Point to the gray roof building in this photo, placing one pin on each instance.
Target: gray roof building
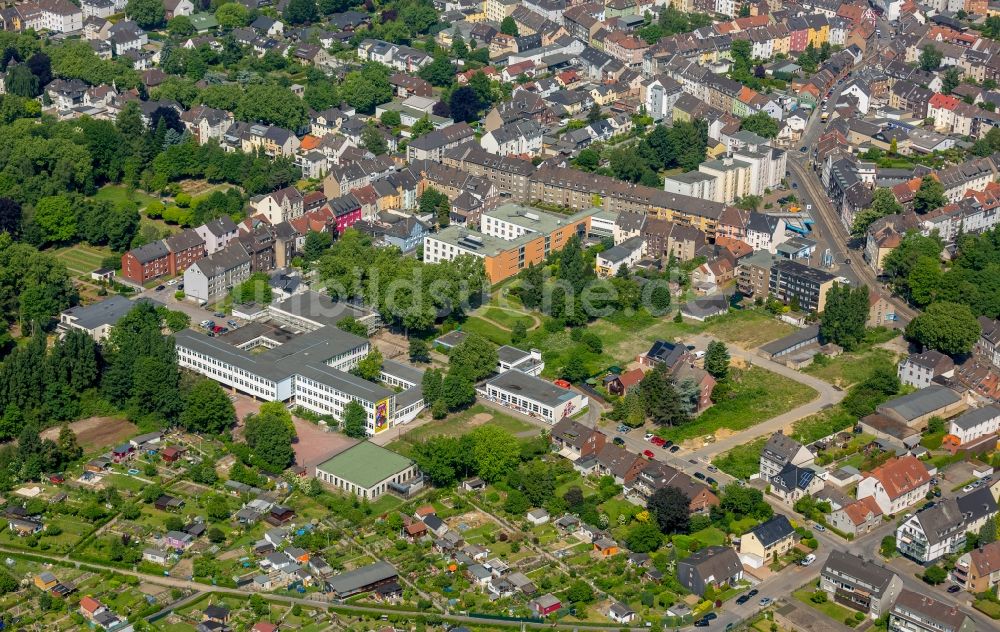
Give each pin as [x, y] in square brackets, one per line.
[362, 579]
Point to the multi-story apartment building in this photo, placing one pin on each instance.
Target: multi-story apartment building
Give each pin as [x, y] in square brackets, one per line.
[781, 450]
[185, 248]
[978, 571]
[512, 237]
[987, 348]
[217, 233]
[281, 205]
[211, 278]
[914, 612]
[920, 369]
[792, 282]
[510, 175]
[146, 263]
[860, 584]
[753, 274]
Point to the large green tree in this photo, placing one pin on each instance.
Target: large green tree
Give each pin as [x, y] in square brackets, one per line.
[883, 203]
[207, 408]
[269, 433]
[948, 327]
[149, 14]
[301, 11]
[670, 507]
[717, 359]
[475, 358]
[660, 397]
[929, 196]
[844, 316]
[355, 420]
[761, 124]
[495, 451]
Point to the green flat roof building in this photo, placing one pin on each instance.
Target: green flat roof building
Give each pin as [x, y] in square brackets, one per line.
[368, 471]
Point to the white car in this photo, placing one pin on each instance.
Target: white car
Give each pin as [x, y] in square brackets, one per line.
[648, 436]
[172, 282]
[968, 488]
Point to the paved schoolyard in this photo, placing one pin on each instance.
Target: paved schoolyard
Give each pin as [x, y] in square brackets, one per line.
[316, 445]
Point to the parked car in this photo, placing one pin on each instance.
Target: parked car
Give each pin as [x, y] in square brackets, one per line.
[820, 528]
[954, 588]
[711, 481]
[753, 593]
[160, 288]
[219, 314]
[702, 623]
[710, 616]
[618, 441]
[172, 282]
[699, 476]
[712, 468]
[623, 428]
[765, 602]
[742, 599]
[647, 436]
[668, 443]
[657, 441]
[648, 454]
[807, 560]
[968, 488]
[674, 449]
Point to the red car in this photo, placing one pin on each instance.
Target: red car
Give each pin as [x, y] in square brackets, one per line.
[658, 441]
[217, 329]
[648, 454]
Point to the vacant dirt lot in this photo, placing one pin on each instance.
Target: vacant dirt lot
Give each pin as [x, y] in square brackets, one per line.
[315, 445]
[97, 432]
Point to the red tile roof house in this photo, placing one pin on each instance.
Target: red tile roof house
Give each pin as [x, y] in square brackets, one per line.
[625, 382]
[90, 607]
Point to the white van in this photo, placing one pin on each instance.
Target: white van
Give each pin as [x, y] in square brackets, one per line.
[807, 560]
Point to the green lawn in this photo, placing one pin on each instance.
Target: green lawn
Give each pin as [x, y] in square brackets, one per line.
[508, 318]
[987, 607]
[710, 536]
[851, 368]
[117, 193]
[742, 461]
[833, 610]
[822, 424]
[457, 425]
[757, 394]
[476, 325]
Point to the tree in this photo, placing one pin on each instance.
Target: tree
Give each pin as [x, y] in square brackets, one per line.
[352, 326]
[207, 409]
[935, 575]
[367, 88]
[421, 127]
[495, 452]
[55, 219]
[745, 501]
[256, 289]
[301, 11]
[7, 583]
[269, 433]
[988, 534]
[509, 27]
[950, 80]
[440, 72]
[717, 359]
[595, 113]
[516, 503]
[761, 124]
[419, 351]
[518, 332]
[670, 507]
[929, 196]
[317, 242]
[149, 14]
[883, 203]
[951, 328]
[10, 216]
[644, 538]
[457, 390]
[180, 26]
[930, 58]
[370, 366]
[431, 385]
[40, 65]
[465, 104]
[580, 592]
[22, 82]
[575, 369]
[475, 358]
[660, 398]
[232, 15]
[355, 420]
[844, 317]
[69, 449]
[372, 139]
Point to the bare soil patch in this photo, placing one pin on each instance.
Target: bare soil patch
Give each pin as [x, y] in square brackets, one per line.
[97, 432]
[479, 419]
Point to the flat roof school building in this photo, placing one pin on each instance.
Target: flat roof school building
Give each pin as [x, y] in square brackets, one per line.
[533, 396]
[368, 471]
[297, 357]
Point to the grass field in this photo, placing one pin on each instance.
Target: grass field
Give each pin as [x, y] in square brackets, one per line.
[476, 325]
[822, 424]
[851, 368]
[757, 394]
[833, 610]
[117, 193]
[741, 461]
[459, 424]
[509, 318]
[82, 259]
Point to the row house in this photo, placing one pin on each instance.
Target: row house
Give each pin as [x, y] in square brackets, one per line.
[271, 139]
[522, 137]
[965, 217]
[942, 530]
[433, 145]
[397, 56]
[511, 175]
[279, 206]
[972, 175]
